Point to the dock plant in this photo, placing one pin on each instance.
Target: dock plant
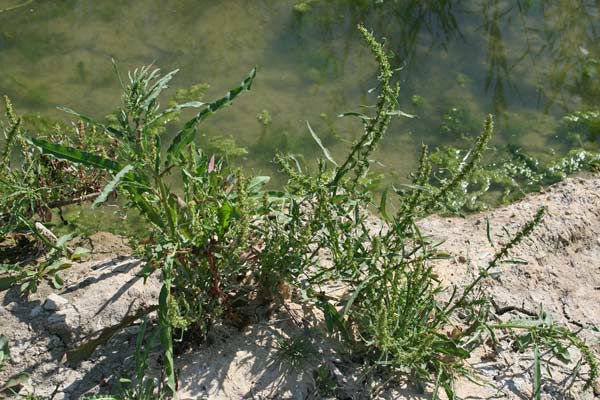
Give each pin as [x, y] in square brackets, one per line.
[220, 241]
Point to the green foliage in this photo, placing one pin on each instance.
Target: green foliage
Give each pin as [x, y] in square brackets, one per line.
[543, 335]
[224, 146]
[303, 7]
[324, 380]
[504, 180]
[583, 126]
[31, 184]
[221, 242]
[294, 352]
[458, 123]
[142, 387]
[264, 117]
[197, 238]
[418, 101]
[392, 314]
[4, 350]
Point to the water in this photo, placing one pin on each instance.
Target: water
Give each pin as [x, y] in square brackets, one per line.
[528, 62]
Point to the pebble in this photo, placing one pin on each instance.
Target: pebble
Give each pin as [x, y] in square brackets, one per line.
[35, 311]
[55, 302]
[63, 322]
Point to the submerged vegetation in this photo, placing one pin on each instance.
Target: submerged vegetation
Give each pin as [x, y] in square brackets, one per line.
[219, 240]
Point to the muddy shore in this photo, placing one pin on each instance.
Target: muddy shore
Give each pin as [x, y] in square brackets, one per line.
[558, 268]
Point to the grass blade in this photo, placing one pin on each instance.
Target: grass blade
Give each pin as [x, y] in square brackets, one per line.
[383, 206]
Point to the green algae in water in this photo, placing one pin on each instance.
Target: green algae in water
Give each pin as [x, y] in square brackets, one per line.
[530, 63]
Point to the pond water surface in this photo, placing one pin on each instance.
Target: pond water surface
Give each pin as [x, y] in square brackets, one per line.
[530, 62]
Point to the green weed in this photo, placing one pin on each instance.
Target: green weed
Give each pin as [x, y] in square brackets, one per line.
[221, 241]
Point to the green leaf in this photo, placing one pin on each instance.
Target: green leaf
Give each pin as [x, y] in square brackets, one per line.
[75, 155]
[146, 207]
[111, 186]
[354, 295]
[80, 253]
[57, 282]
[514, 261]
[446, 346]
[4, 349]
[487, 232]
[400, 114]
[224, 216]
[333, 319]
[383, 205]
[257, 183]
[318, 140]
[15, 381]
[166, 339]
[359, 115]
[64, 239]
[157, 88]
[7, 282]
[562, 353]
[524, 341]
[187, 133]
[58, 265]
[85, 350]
[6, 268]
[178, 107]
[157, 158]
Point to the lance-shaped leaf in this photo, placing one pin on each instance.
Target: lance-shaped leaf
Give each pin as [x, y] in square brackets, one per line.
[85, 350]
[166, 338]
[257, 183]
[112, 185]
[187, 133]
[178, 107]
[318, 140]
[157, 88]
[135, 189]
[75, 155]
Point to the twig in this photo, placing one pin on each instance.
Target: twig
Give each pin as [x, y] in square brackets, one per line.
[503, 310]
[80, 199]
[12, 8]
